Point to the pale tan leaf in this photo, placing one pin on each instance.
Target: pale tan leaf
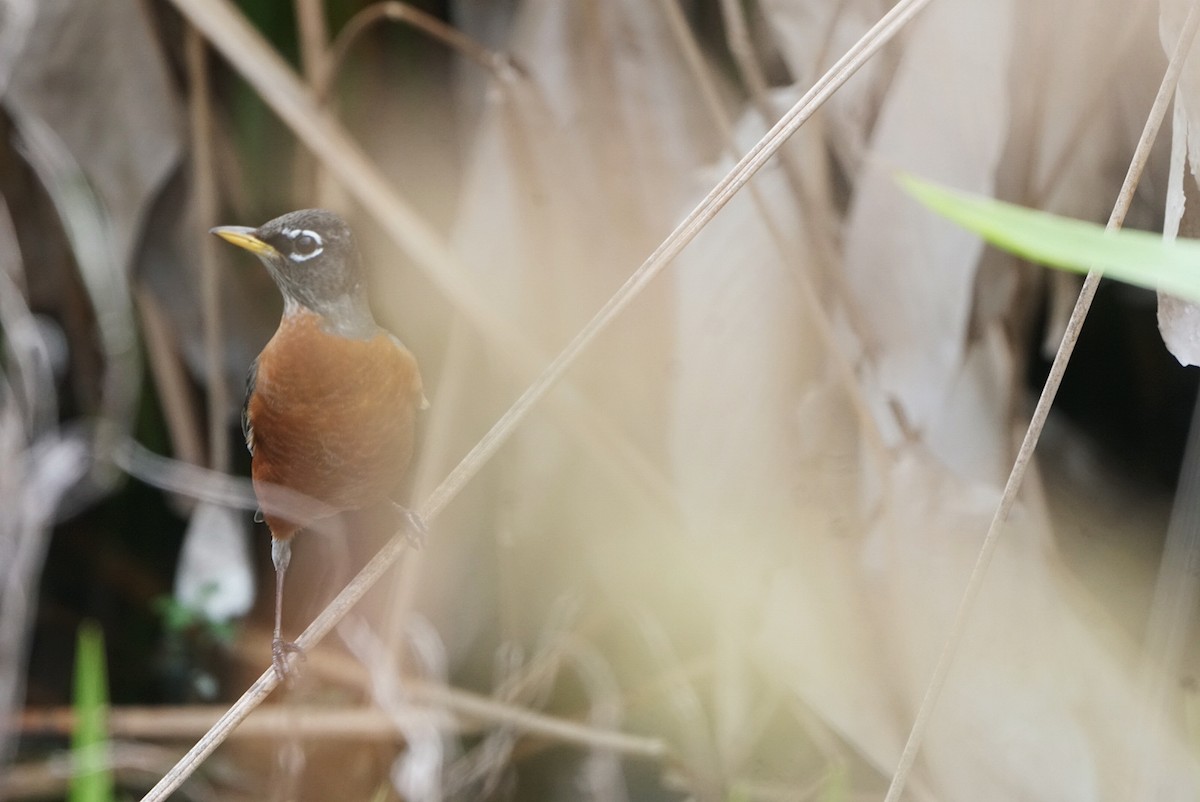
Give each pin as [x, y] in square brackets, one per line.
[1171, 16]
[91, 71]
[909, 273]
[1178, 320]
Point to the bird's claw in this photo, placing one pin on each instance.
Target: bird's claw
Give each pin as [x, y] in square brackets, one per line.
[280, 649]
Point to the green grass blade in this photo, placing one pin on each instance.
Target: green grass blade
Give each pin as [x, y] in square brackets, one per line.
[92, 779]
[1135, 257]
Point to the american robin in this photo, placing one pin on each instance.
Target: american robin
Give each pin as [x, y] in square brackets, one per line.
[332, 399]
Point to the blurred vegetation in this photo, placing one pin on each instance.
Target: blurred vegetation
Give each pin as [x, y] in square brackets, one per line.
[113, 562]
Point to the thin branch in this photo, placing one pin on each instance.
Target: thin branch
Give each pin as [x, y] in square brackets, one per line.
[967, 604]
[393, 551]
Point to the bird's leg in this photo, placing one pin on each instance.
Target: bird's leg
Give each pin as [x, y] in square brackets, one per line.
[281, 555]
[415, 528]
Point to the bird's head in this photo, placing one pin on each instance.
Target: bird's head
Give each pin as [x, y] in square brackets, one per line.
[312, 255]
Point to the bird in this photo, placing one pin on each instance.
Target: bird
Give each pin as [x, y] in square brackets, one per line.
[332, 400]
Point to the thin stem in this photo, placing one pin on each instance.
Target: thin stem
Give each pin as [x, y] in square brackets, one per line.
[170, 384]
[966, 605]
[205, 197]
[737, 36]
[314, 39]
[349, 723]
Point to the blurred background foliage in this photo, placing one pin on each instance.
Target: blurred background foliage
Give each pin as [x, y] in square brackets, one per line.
[756, 591]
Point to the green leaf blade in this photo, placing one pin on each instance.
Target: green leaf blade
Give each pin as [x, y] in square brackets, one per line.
[92, 779]
[1135, 257]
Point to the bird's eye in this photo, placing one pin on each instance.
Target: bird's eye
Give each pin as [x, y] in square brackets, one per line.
[305, 245]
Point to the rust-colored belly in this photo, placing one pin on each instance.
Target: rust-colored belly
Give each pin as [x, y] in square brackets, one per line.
[333, 421]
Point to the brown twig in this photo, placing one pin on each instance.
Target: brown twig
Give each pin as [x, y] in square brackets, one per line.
[966, 605]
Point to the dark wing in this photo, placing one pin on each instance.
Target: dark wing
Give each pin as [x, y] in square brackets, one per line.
[247, 427]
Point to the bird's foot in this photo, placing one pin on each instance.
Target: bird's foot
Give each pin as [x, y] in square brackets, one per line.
[415, 529]
[284, 669]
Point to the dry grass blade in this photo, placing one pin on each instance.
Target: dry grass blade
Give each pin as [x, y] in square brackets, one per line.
[209, 16]
[152, 723]
[184, 478]
[204, 184]
[804, 273]
[314, 37]
[496, 63]
[171, 381]
[1042, 410]
[741, 47]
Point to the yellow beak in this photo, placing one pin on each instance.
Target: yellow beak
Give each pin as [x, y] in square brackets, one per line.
[244, 237]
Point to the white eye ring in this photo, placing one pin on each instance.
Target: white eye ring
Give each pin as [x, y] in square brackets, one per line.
[304, 237]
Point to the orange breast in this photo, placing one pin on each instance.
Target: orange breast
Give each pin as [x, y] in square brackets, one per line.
[333, 420]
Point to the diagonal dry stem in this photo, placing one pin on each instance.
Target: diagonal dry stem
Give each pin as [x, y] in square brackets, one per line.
[395, 549]
[1074, 325]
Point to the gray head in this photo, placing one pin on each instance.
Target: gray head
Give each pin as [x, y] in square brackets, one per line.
[311, 254]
